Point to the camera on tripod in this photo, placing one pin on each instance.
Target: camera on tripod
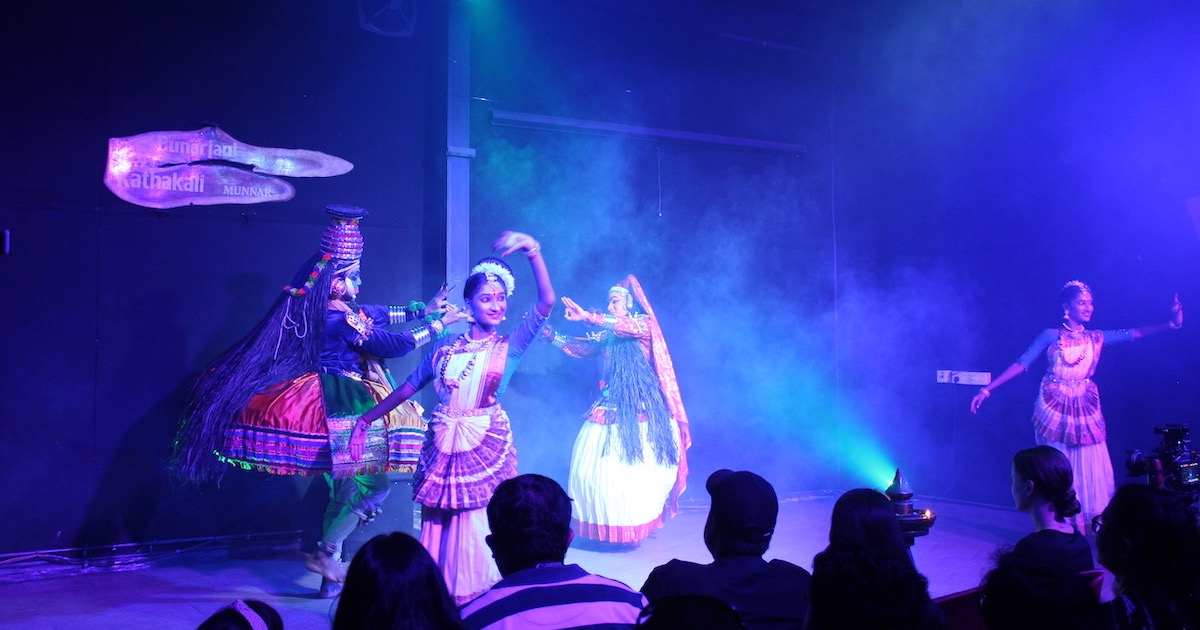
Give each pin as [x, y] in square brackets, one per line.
[1173, 466]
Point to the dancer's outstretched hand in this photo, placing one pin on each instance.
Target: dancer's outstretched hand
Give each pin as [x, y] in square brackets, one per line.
[572, 311]
[1177, 313]
[977, 401]
[510, 242]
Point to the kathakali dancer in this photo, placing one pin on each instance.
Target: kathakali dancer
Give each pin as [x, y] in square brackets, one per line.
[469, 449]
[1066, 414]
[284, 399]
[629, 463]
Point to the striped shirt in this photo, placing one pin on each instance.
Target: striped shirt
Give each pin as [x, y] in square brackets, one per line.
[562, 596]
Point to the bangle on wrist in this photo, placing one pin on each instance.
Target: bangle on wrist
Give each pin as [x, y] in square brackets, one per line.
[1173, 326]
[985, 391]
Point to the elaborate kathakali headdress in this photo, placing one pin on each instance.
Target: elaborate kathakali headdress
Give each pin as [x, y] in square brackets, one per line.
[341, 244]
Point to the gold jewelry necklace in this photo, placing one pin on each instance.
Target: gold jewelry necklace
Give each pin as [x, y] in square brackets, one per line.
[463, 345]
[1069, 329]
[1084, 350]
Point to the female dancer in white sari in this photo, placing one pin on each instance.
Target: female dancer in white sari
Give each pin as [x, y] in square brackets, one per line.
[1067, 413]
[629, 463]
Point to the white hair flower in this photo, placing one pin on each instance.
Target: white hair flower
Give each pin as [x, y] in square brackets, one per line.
[496, 271]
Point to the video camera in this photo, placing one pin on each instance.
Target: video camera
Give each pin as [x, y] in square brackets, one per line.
[1173, 466]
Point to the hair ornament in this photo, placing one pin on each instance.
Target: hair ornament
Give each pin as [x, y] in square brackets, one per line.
[495, 271]
[310, 279]
[1078, 284]
[625, 293]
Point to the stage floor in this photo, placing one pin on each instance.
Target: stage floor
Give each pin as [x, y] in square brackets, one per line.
[180, 594]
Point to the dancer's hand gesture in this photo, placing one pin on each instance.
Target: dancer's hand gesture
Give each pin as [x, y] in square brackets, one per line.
[453, 314]
[438, 302]
[572, 311]
[510, 242]
[977, 401]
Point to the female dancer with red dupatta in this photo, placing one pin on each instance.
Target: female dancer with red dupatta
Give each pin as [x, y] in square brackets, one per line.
[629, 463]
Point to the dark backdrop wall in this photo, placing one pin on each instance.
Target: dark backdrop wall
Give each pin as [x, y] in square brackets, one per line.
[113, 309]
[957, 166]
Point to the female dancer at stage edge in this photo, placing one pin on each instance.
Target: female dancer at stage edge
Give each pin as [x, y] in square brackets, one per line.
[468, 448]
[1067, 414]
[629, 463]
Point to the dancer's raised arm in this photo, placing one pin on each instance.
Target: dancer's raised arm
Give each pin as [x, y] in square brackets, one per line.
[510, 242]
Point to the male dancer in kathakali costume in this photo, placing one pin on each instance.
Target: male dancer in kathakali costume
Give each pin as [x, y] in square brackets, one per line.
[283, 400]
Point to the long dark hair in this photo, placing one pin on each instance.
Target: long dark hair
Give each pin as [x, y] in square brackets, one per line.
[633, 389]
[285, 344]
[1050, 472]
[864, 518]
[854, 587]
[392, 582]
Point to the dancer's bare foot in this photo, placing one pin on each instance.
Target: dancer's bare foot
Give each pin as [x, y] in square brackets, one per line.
[326, 565]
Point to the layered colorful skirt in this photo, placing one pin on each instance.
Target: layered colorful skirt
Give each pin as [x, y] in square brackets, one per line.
[286, 430]
[1067, 417]
[467, 453]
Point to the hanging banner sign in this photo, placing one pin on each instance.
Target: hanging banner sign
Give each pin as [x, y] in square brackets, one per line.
[168, 169]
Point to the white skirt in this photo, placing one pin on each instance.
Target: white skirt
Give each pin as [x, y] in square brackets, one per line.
[455, 540]
[616, 501]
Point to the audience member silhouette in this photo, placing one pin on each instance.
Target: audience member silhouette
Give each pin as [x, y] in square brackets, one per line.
[530, 520]
[1147, 538]
[740, 525]
[865, 579]
[865, 518]
[689, 612]
[1023, 592]
[244, 614]
[393, 582]
[1042, 488]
